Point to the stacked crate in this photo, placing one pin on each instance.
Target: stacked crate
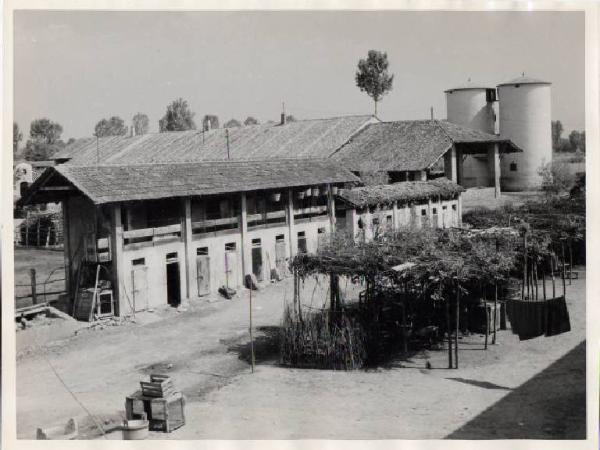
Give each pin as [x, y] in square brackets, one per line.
[160, 401]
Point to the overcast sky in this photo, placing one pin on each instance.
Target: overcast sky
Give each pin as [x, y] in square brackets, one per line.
[79, 67]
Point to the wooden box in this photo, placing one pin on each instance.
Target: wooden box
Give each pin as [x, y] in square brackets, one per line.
[158, 386]
[164, 414]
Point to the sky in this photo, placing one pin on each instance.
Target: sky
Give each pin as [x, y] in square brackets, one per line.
[77, 67]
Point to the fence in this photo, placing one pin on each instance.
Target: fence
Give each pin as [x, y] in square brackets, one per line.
[40, 292]
[40, 230]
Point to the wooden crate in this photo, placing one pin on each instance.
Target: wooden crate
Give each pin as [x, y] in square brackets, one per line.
[158, 386]
[164, 414]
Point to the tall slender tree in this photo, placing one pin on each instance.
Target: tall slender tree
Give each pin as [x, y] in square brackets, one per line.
[179, 117]
[114, 126]
[372, 76]
[140, 123]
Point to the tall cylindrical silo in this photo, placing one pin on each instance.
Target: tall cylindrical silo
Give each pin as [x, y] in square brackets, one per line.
[472, 105]
[525, 119]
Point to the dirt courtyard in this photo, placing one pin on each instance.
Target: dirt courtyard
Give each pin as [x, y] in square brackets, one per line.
[529, 389]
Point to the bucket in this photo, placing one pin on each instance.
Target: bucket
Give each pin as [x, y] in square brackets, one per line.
[135, 429]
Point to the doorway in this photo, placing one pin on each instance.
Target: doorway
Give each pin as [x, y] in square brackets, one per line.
[257, 262]
[139, 284]
[173, 280]
[280, 253]
[203, 271]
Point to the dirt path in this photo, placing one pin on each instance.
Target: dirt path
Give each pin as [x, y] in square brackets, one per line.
[225, 401]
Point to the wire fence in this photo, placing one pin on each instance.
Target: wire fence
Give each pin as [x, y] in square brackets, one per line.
[40, 290]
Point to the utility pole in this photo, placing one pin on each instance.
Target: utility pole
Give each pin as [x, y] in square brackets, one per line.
[227, 138]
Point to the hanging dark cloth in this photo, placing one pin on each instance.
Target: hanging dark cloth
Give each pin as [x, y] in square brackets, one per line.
[531, 319]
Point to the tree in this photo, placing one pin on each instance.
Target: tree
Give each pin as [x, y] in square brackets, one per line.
[290, 118]
[44, 130]
[179, 117]
[556, 178]
[250, 121]
[557, 129]
[140, 123]
[233, 123]
[44, 140]
[209, 122]
[372, 76]
[115, 126]
[17, 137]
[577, 140]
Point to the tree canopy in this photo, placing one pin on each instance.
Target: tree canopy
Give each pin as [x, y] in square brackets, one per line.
[44, 140]
[114, 126]
[372, 76]
[140, 123]
[233, 123]
[577, 140]
[250, 121]
[179, 117]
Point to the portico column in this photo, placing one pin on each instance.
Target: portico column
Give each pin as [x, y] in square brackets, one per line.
[493, 159]
[118, 262]
[459, 166]
[450, 164]
[395, 216]
[187, 241]
[331, 208]
[293, 243]
[352, 222]
[66, 245]
[246, 264]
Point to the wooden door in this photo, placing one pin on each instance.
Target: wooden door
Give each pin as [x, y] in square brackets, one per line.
[231, 268]
[280, 254]
[203, 274]
[139, 287]
[257, 262]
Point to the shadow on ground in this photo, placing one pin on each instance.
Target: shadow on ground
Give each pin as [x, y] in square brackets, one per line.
[551, 405]
[266, 346]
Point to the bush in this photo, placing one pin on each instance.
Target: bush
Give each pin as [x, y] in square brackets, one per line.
[315, 341]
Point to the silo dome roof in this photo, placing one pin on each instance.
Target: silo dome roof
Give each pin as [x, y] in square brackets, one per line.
[468, 85]
[524, 80]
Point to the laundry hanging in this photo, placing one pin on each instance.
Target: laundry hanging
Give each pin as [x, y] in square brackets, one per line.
[531, 319]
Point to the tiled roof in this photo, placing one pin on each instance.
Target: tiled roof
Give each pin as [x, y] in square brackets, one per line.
[299, 139]
[116, 183]
[410, 145]
[405, 191]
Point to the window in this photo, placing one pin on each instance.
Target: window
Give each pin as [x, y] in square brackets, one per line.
[202, 251]
[513, 166]
[255, 242]
[138, 262]
[389, 220]
[280, 238]
[321, 231]
[375, 220]
[172, 256]
[230, 247]
[434, 210]
[453, 207]
[444, 208]
[423, 212]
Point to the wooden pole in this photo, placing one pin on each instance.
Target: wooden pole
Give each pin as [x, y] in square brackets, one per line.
[404, 329]
[449, 334]
[544, 282]
[552, 275]
[251, 336]
[457, 325]
[495, 311]
[33, 286]
[37, 232]
[487, 320]
[536, 279]
[525, 280]
[562, 249]
[570, 261]
[27, 229]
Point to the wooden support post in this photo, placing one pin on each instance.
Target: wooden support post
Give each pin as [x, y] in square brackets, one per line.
[293, 243]
[33, 286]
[535, 279]
[564, 275]
[118, 265]
[66, 245]
[570, 261]
[552, 274]
[495, 325]
[251, 335]
[331, 208]
[457, 325]
[450, 164]
[37, 232]
[246, 250]
[525, 279]
[493, 160]
[487, 319]
[27, 229]
[395, 216]
[449, 330]
[187, 241]
[544, 282]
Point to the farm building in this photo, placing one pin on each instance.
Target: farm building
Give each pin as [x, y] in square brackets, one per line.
[372, 210]
[174, 231]
[175, 216]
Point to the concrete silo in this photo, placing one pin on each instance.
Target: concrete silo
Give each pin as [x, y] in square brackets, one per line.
[525, 119]
[472, 105]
